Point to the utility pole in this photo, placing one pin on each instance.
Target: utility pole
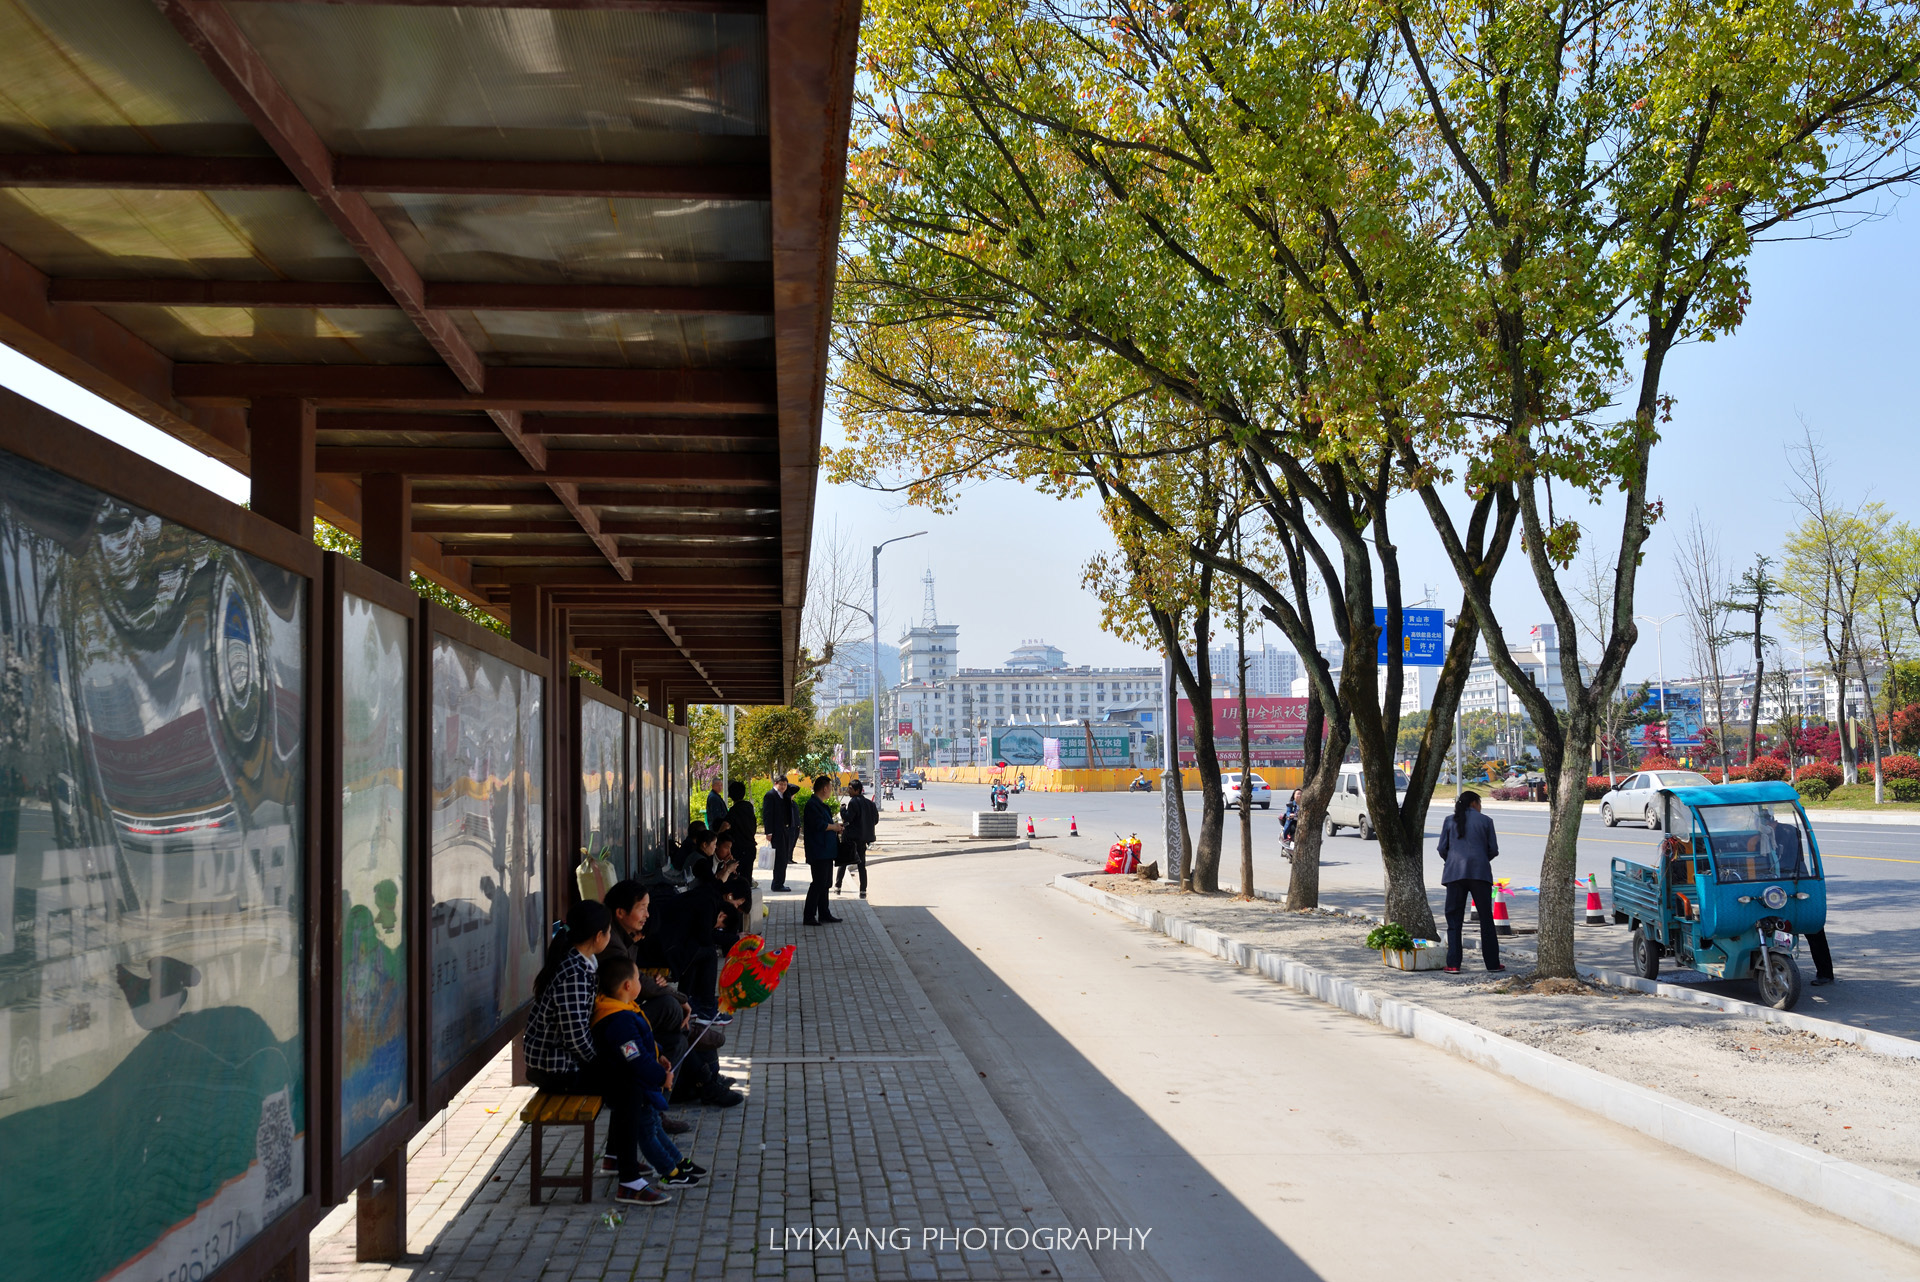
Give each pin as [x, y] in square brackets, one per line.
[875, 616]
[1660, 653]
[1246, 744]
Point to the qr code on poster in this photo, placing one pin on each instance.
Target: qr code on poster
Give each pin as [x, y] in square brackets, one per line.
[273, 1148]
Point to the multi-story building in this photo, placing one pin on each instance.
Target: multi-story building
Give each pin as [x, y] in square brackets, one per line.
[1271, 669]
[953, 719]
[930, 651]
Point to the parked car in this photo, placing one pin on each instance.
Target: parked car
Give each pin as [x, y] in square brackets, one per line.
[1261, 796]
[1347, 808]
[1638, 795]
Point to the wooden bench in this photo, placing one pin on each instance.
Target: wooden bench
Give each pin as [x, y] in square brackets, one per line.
[545, 1110]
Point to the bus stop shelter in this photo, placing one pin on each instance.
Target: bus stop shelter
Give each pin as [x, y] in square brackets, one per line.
[532, 300]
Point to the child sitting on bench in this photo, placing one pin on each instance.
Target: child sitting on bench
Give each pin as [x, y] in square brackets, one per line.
[635, 1069]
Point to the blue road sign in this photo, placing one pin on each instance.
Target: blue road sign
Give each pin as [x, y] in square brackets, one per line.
[1423, 640]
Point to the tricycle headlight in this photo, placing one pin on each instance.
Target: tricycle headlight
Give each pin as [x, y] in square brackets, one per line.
[1775, 898]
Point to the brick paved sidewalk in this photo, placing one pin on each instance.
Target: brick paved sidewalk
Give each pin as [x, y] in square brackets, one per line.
[861, 1114]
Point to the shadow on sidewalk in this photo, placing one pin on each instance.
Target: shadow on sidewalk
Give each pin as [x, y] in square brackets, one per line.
[1009, 1043]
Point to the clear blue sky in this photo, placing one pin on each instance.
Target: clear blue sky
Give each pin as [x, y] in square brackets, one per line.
[1830, 336]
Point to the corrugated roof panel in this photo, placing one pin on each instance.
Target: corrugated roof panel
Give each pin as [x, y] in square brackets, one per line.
[221, 235]
[626, 339]
[278, 335]
[109, 76]
[517, 84]
[583, 239]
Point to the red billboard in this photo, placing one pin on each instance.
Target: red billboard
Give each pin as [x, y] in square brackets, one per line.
[1276, 731]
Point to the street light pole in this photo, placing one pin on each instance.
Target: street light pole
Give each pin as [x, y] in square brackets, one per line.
[875, 617]
[1660, 651]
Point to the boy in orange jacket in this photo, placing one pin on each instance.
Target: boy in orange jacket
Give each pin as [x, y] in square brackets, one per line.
[623, 1042]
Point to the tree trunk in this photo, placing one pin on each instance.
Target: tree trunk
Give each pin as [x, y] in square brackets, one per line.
[1316, 789]
[1246, 745]
[1175, 794]
[1559, 867]
[1873, 729]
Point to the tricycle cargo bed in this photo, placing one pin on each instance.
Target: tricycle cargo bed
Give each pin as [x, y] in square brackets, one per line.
[1636, 890]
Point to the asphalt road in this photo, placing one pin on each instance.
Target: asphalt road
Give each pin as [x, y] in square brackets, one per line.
[1873, 882]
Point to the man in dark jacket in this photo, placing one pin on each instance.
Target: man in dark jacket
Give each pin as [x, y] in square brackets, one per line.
[1469, 845]
[782, 821]
[716, 806]
[821, 829]
[862, 818]
[741, 826]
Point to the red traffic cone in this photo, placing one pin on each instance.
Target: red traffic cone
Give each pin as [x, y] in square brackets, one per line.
[1073, 826]
[1029, 825]
[1596, 915]
[923, 805]
[1502, 925]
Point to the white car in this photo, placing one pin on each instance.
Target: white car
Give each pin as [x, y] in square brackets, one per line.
[1261, 796]
[1634, 796]
[1347, 808]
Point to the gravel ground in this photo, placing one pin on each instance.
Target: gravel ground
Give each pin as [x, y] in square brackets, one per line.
[1829, 1095]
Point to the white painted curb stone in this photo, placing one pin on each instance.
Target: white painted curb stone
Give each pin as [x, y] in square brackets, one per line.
[1853, 1192]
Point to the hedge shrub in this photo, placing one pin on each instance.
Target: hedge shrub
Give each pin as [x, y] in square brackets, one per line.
[1828, 772]
[1767, 770]
[1655, 761]
[1902, 788]
[1516, 793]
[1814, 788]
[1598, 786]
[1900, 766]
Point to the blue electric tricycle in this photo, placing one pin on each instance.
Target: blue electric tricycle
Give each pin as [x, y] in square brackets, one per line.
[1736, 883]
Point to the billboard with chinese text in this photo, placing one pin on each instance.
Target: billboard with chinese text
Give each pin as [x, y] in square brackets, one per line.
[1276, 729]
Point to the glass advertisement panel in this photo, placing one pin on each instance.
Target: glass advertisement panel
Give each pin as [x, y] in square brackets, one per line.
[152, 811]
[629, 859]
[373, 868]
[488, 846]
[681, 798]
[603, 783]
[653, 798]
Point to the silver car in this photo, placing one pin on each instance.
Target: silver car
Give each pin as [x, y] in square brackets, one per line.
[1637, 796]
[1347, 808]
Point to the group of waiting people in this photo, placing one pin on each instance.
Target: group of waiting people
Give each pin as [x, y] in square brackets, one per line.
[627, 1008]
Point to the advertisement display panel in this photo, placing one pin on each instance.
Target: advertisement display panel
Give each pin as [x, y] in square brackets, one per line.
[628, 861]
[603, 780]
[653, 798]
[488, 841]
[1276, 730]
[1069, 750]
[680, 797]
[373, 867]
[153, 816]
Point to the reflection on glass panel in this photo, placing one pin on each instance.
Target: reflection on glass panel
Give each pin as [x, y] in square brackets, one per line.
[630, 864]
[489, 843]
[603, 787]
[680, 795]
[373, 868]
[152, 758]
[653, 799]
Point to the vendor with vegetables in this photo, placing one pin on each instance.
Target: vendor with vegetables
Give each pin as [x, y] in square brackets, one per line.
[1469, 845]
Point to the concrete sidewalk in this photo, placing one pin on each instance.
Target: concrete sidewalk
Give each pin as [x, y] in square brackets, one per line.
[1259, 1133]
[861, 1113]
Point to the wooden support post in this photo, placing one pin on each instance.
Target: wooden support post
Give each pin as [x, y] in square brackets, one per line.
[680, 713]
[657, 696]
[616, 672]
[380, 1205]
[291, 1267]
[281, 432]
[386, 524]
[523, 615]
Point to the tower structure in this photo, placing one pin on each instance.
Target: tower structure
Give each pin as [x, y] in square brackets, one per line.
[929, 652]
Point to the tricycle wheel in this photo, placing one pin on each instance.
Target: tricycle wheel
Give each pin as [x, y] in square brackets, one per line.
[1646, 954]
[1779, 980]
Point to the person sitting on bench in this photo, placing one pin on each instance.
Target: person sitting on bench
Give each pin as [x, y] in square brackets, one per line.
[638, 1076]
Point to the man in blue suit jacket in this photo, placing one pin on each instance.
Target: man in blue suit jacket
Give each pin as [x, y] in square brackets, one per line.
[820, 828]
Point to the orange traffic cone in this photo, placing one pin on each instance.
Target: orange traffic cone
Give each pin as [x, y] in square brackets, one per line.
[903, 808]
[923, 805]
[1029, 825]
[1502, 925]
[1596, 915]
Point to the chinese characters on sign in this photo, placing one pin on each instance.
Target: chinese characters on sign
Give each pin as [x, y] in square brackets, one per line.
[1276, 731]
[1423, 636]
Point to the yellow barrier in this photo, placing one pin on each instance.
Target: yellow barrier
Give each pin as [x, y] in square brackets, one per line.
[1042, 779]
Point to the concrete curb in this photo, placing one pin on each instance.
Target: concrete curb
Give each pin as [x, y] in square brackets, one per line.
[1875, 1201]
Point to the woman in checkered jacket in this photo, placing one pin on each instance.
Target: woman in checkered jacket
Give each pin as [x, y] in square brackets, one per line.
[559, 1044]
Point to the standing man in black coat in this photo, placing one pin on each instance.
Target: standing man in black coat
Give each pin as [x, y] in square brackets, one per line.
[861, 817]
[781, 817]
[822, 832]
[741, 826]
[1469, 845]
